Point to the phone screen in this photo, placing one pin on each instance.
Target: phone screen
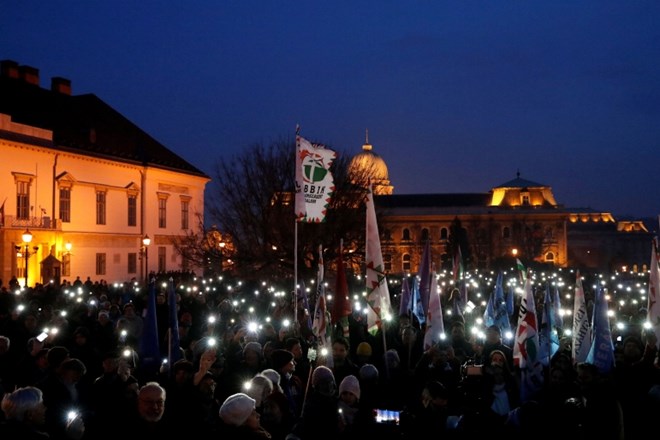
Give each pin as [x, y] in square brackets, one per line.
[388, 416]
[42, 336]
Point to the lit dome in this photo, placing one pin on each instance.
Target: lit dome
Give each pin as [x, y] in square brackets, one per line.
[368, 163]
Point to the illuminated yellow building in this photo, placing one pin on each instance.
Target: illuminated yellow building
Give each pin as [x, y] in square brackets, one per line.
[519, 215]
[88, 185]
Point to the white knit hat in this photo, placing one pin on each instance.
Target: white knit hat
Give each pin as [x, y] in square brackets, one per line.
[350, 384]
[236, 409]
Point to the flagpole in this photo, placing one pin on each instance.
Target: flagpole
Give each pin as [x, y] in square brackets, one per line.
[387, 367]
[296, 325]
[295, 277]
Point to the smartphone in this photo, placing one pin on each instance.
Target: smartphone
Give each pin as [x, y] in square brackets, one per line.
[42, 336]
[388, 416]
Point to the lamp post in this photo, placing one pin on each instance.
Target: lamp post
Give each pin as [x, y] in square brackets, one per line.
[146, 241]
[27, 238]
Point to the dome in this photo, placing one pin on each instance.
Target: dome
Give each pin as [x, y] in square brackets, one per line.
[368, 163]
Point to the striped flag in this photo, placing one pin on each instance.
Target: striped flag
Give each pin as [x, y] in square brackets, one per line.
[526, 347]
[378, 294]
[321, 325]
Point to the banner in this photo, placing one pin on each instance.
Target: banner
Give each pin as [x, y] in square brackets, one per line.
[314, 182]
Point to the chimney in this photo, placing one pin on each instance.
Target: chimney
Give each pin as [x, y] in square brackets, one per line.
[9, 69]
[29, 74]
[60, 85]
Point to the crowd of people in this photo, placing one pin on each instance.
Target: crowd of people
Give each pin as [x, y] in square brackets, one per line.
[72, 367]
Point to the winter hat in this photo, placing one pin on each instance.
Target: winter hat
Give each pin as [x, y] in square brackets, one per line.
[260, 386]
[279, 358]
[363, 349]
[322, 374]
[392, 358]
[274, 377]
[350, 384]
[236, 409]
[368, 372]
[254, 346]
[57, 355]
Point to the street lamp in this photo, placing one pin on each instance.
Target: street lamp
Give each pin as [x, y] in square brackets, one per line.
[146, 241]
[27, 238]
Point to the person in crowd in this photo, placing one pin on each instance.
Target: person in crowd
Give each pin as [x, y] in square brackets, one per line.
[240, 419]
[363, 354]
[438, 363]
[430, 413]
[461, 346]
[129, 326]
[494, 342]
[277, 417]
[33, 367]
[320, 418]
[148, 419]
[258, 388]
[25, 417]
[343, 365]
[356, 420]
[303, 368]
[64, 392]
[291, 384]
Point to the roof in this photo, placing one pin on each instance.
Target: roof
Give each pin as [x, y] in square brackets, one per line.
[432, 200]
[518, 182]
[84, 124]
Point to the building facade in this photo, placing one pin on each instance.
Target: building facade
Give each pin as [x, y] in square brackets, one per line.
[516, 219]
[88, 185]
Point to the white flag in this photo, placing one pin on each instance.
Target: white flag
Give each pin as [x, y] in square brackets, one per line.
[378, 294]
[435, 326]
[314, 182]
[581, 324]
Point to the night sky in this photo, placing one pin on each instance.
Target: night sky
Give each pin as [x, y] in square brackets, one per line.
[457, 96]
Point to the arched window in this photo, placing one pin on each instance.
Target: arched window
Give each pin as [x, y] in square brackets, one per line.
[406, 234]
[406, 263]
[387, 262]
[506, 232]
[444, 233]
[425, 234]
[550, 257]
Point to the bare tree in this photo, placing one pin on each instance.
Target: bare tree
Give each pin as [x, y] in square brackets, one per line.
[251, 201]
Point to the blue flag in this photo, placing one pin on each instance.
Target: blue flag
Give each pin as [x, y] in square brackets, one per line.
[548, 337]
[601, 353]
[417, 308]
[149, 347]
[489, 313]
[174, 350]
[303, 292]
[501, 319]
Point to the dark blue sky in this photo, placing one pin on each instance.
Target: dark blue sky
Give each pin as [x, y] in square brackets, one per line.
[457, 96]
